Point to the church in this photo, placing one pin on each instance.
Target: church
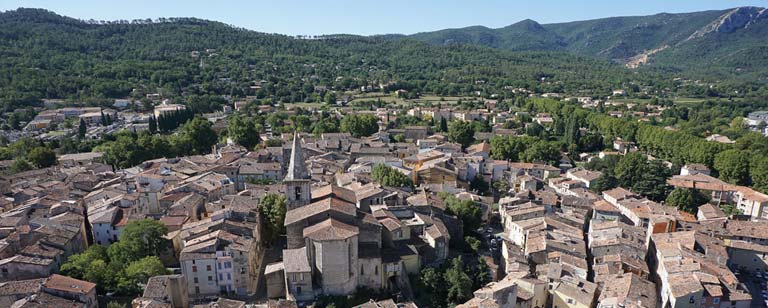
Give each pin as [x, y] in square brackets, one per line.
[335, 246]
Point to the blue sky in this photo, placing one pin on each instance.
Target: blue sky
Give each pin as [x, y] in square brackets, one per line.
[369, 17]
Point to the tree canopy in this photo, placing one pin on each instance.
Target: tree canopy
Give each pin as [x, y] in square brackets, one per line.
[360, 125]
[388, 176]
[125, 265]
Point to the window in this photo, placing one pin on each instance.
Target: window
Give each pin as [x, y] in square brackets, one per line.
[297, 190]
[376, 270]
[692, 300]
[194, 269]
[362, 270]
[219, 265]
[197, 290]
[208, 268]
[298, 290]
[227, 264]
[570, 301]
[229, 276]
[301, 276]
[196, 280]
[716, 300]
[210, 278]
[221, 276]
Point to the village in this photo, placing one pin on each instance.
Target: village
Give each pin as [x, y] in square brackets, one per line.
[334, 216]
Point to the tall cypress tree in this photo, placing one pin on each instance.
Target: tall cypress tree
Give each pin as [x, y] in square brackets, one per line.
[81, 129]
[152, 124]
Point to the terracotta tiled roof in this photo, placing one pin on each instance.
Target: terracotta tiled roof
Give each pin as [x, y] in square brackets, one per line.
[67, 284]
[330, 204]
[330, 230]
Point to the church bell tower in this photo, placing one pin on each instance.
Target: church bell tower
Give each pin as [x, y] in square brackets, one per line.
[297, 180]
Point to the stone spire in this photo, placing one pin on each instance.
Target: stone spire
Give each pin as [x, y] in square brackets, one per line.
[296, 168]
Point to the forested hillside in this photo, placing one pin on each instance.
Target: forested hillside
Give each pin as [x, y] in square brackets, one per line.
[43, 55]
[709, 44]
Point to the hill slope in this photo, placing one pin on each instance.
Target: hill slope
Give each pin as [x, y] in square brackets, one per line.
[44, 55]
[731, 40]
[524, 35]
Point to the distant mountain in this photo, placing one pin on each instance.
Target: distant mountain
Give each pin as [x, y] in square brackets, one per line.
[731, 39]
[524, 35]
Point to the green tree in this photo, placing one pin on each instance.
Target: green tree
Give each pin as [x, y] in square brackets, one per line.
[103, 119]
[686, 199]
[152, 124]
[479, 185]
[571, 133]
[653, 181]
[510, 148]
[140, 238]
[272, 208]
[482, 274]
[42, 157]
[461, 132]
[468, 212]
[196, 137]
[388, 176]
[443, 124]
[91, 265]
[430, 287]
[458, 282]
[81, 129]
[330, 97]
[603, 183]
[473, 243]
[138, 272]
[733, 166]
[115, 305]
[534, 130]
[302, 123]
[20, 165]
[273, 142]
[547, 152]
[647, 178]
[243, 132]
[758, 170]
[501, 187]
[400, 138]
[730, 210]
[360, 125]
[628, 168]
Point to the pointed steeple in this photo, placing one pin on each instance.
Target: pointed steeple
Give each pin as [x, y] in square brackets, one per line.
[296, 168]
